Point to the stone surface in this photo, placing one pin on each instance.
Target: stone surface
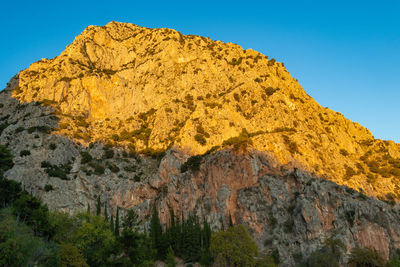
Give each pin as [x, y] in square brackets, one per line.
[288, 177]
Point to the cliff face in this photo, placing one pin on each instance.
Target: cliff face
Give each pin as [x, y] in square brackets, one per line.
[121, 90]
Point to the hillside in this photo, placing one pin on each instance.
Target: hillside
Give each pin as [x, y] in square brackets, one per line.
[120, 111]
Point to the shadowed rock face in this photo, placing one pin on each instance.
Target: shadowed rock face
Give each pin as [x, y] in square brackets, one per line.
[123, 87]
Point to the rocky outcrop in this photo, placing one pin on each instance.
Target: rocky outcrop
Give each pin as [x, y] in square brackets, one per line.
[123, 108]
[286, 208]
[156, 88]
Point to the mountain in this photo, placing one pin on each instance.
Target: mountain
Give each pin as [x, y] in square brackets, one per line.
[144, 116]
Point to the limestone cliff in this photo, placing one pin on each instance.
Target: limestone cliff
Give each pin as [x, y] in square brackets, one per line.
[121, 110]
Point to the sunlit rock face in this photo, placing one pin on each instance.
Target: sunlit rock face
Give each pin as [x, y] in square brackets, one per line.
[141, 101]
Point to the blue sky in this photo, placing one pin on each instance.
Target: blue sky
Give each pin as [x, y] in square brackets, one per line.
[346, 54]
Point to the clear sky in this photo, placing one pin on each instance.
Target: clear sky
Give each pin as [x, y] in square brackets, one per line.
[346, 54]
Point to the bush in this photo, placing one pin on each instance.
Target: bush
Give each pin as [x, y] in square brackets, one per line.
[6, 161]
[24, 153]
[200, 139]
[99, 170]
[360, 257]
[108, 153]
[48, 187]
[56, 171]
[19, 129]
[193, 164]
[344, 152]
[86, 157]
[243, 140]
[52, 146]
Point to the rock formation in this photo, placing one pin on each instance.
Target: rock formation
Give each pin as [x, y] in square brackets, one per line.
[144, 116]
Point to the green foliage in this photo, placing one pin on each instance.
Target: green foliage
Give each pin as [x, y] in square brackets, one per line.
[99, 169]
[48, 187]
[156, 234]
[327, 256]
[6, 159]
[52, 146]
[361, 257]
[241, 141]
[394, 262]
[57, 171]
[98, 206]
[19, 129]
[85, 157]
[200, 139]
[24, 153]
[108, 153]
[193, 164]
[344, 152]
[93, 237]
[18, 244]
[69, 255]
[233, 247]
[270, 91]
[131, 220]
[116, 230]
[170, 258]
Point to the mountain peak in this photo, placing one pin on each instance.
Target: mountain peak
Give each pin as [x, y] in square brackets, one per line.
[152, 89]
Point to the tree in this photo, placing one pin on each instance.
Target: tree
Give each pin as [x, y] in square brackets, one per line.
[112, 223]
[6, 159]
[234, 247]
[116, 230]
[170, 259]
[70, 256]
[93, 237]
[105, 212]
[156, 234]
[364, 257]
[131, 220]
[98, 206]
[230, 220]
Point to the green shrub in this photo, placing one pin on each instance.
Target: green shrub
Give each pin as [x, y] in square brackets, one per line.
[57, 171]
[6, 161]
[288, 225]
[193, 164]
[200, 139]
[85, 157]
[350, 172]
[108, 153]
[241, 141]
[19, 129]
[344, 152]
[52, 146]
[99, 169]
[365, 257]
[48, 187]
[115, 137]
[270, 91]
[24, 153]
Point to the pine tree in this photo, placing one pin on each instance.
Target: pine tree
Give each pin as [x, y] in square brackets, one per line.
[230, 220]
[156, 235]
[116, 231]
[98, 206]
[105, 212]
[170, 259]
[112, 223]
